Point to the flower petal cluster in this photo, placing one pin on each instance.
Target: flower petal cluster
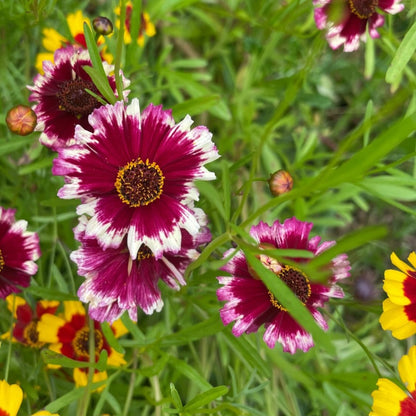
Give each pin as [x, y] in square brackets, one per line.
[62, 101]
[249, 302]
[346, 20]
[68, 334]
[19, 249]
[399, 309]
[53, 40]
[134, 174]
[146, 25]
[390, 399]
[115, 282]
[11, 396]
[25, 328]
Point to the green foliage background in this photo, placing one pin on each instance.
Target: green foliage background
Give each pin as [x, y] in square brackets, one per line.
[265, 82]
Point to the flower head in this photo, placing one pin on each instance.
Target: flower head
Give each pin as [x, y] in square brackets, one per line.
[134, 174]
[68, 334]
[390, 399]
[115, 283]
[249, 302]
[11, 396]
[346, 20]
[25, 327]
[146, 26]
[53, 40]
[19, 249]
[399, 309]
[62, 101]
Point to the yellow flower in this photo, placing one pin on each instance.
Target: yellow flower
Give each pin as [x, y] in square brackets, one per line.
[53, 40]
[11, 396]
[68, 334]
[390, 399]
[146, 25]
[399, 309]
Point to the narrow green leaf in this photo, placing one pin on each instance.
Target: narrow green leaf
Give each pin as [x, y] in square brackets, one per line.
[289, 300]
[177, 402]
[93, 51]
[133, 328]
[226, 185]
[402, 57]
[102, 85]
[38, 165]
[195, 106]
[49, 294]
[190, 372]
[205, 398]
[110, 337]
[15, 144]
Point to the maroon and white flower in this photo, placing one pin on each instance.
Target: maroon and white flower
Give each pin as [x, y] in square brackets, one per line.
[19, 249]
[134, 174]
[249, 302]
[62, 101]
[115, 282]
[346, 20]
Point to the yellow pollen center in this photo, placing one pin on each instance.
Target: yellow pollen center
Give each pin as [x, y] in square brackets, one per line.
[31, 335]
[139, 183]
[144, 253]
[2, 263]
[363, 8]
[80, 343]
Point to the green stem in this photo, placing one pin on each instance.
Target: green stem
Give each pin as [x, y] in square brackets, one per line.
[9, 347]
[119, 51]
[131, 384]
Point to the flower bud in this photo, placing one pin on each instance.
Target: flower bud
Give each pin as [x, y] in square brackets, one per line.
[21, 120]
[102, 25]
[280, 182]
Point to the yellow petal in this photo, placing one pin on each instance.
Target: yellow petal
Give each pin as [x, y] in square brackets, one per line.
[48, 328]
[71, 308]
[52, 40]
[386, 400]
[76, 23]
[11, 396]
[395, 319]
[119, 328]
[404, 267]
[13, 302]
[395, 292]
[44, 413]
[149, 27]
[407, 369]
[412, 259]
[115, 358]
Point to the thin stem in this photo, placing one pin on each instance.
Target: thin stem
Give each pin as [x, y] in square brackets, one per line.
[119, 50]
[131, 384]
[9, 347]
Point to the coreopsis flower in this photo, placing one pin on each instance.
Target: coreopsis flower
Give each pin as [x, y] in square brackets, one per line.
[11, 396]
[146, 26]
[19, 249]
[68, 334]
[392, 400]
[346, 20]
[399, 309]
[134, 174]
[25, 328]
[53, 40]
[115, 282]
[249, 302]
[62, 101]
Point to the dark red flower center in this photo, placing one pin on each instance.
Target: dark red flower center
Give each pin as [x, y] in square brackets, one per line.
[73, 98]
[408, 405]
[139, 183]
[144, 253]
[2, 263]
[81, 342]
[31, 335]
[363, 8]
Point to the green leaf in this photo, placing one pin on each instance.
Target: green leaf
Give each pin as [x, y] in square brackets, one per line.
[110, 337]
[49, 293]
[195, 106]
[51, 357]
[205, 398]
[39, 164]
[402, 57]
[102, 85]
[289, 300]
[175, 397]
[14, 144]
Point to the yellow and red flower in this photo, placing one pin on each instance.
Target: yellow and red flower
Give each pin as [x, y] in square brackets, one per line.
[68, 334]
[146, 26]
[399, 309]
[11, 396]
[390, 399]
[25, 328]
[53, 40]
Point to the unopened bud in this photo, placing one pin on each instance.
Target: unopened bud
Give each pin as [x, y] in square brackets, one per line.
[280, 182]
[102, 25]
[21, 120]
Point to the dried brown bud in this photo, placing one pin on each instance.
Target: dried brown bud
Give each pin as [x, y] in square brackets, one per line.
[102, 25]
[21, 120]
[280, 182]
